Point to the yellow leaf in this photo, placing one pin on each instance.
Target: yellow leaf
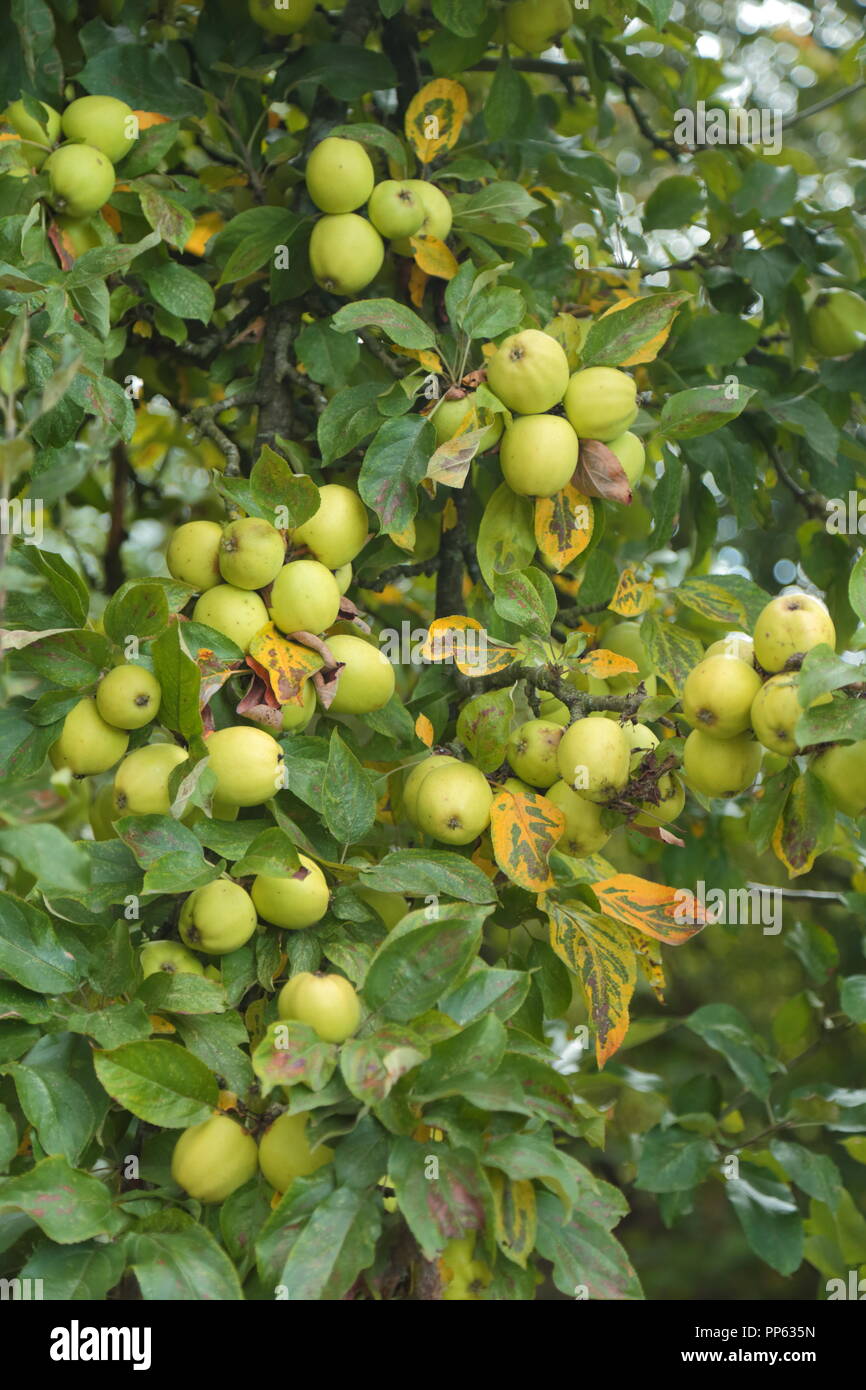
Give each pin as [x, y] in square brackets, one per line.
[427, 359]
[465, 642]
[434, 257]
[405, 538]
[142, 328]
[435, 118]
[601, 663]
[424, 730]
[285, 665]
[159, 1024]
[563, 526]
[449, 515]
[633, 596]
[146, 119]
[650, 350]
[417, 285]
[523, 831]
[671, 915]
[516, 1217]
[600, 954]
[206, 227]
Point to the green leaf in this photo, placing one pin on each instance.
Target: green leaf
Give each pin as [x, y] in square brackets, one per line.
[379, 137]
[348, 419]
[174, 224]
[501, 992]
[66, 1204]
[519, 598]
[394, 464]
[492, 312]
[815, 1174]
[725, 1030]
[57, 1107]
[504, 99]
[673, 203]
[424, 871]
[435, 1212]
[86, 1272]
[767, 189]
[702, 409]
[673, 651]
[181, 291]
[143, 77]
[506, 538]
[674, 1159]
[400, 324]
[30, 951]
[587, 1260]
[159, 1082]
[852, 997]
[769, 1217]
[333, 1247]
[371, 1066]
[329, 356]
[422, 959]
[186, 1265]
[348, 795]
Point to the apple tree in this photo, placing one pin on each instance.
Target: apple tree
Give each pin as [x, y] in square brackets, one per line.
[432, 607]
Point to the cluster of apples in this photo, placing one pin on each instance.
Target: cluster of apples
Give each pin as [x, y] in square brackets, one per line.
[742, 699]
[539, 447]
[99, 131]
[347, 250]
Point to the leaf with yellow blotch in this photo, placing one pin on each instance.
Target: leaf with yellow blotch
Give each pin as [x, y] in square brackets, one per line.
[405, 538]
[465, 642]
[523, 831]
[649, 957]
[601, 664]
[599, 952]
[206, 226]
[798, 836]
[633, 596]
[483, 725]
[450, 463]
[487, 866]
[427, 359]
[640, 330]
[285, 665]
[424, 730]
[516, 1216]
[434, 257]
[449, 515]
[671, 915]
[435, 117]
[599, 473]
[417, 285]
[158, 1024]
[563, 526]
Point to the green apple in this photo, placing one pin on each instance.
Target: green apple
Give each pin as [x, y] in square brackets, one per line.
[338, 531]
[584, 833]
[237, 613]
[452, 417]
[248, 764]
[538, 455]
[285, 1153]
[416, 776]
[297, 717]
[718, 695]
[453, 804]
[531, 751]
[339, 175]
[631, 454]
[141, 781]
[213, 1159]
[672, 799]
[305, 597]
[721, 767]
[601, 403]
[252, 553]
[218, 918]
[842, 769]
[293, 901]
[438, 216]
[734, 644]
[87, 744]
[346, 253]
[776, 712]
[281, 16]
[394, 209]
[103, 123]
[593, 759]
[641, 740]
[81, 179]
[529, 372]
[789, 627]
[533, 24]
[837, 323]
[128, 697]
[193, 554]
[35, 134]
[328, 1003]
[102, 814]
[366, 681]
[169, 957]
[391, 907]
